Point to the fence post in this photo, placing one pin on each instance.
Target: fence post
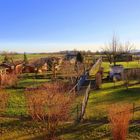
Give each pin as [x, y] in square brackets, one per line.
[84, 103]
[133, 110]
[77, 113]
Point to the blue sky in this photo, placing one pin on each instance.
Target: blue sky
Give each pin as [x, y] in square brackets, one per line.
[53, 25]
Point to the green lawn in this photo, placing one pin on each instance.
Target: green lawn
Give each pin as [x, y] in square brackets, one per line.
[100, 100]
[16, 104]
[90, 129]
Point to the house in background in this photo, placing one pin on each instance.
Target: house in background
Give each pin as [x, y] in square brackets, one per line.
[70, 55]
[41, 65]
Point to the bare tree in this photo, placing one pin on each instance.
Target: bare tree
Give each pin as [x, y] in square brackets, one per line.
[116, 48]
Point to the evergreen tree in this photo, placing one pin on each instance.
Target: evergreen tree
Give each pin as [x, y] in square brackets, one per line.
[25, 59]
[79, 57]
[6, 59]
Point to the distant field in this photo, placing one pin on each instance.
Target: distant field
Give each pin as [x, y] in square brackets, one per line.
[131, 64]
[29, 56]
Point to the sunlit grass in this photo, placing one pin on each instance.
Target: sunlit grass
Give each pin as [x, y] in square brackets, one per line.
[100, 100]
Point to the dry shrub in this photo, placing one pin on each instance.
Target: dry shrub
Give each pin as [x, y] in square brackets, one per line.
[35, 100]
[119, 116]
[8, 79]
[18, 69]
[51, 105]
[58, 111]
[3, 100]
[67, 69]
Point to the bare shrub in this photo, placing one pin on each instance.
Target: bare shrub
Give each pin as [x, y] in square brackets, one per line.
[3, 100]
[18, 69]
[58, 111]
[51, 106]
[68, 70]
[35, 100]
[119, 116]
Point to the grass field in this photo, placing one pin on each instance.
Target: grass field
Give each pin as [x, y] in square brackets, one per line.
[93, 128]
[16, 105]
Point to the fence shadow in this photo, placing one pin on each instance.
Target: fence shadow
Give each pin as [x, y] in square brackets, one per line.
[85, 130]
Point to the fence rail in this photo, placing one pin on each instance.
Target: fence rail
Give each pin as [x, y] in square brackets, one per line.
[131, 74]
[94, 69]
[84, 103]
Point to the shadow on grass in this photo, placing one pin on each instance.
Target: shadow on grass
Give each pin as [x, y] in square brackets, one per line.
[89, 130]
[85, 131]
[99, 101]
[131, 95]
[33, 130]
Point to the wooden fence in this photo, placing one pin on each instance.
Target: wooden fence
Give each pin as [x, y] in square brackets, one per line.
[84, 103]
[81, 81]
[95, 68]
[131, 75]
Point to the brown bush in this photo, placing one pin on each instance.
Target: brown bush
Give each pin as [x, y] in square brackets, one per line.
[35, 100]
[119, 116]
[51, 105]
[68, 70]
[3, 100]
[58, 111]
[8, 79]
